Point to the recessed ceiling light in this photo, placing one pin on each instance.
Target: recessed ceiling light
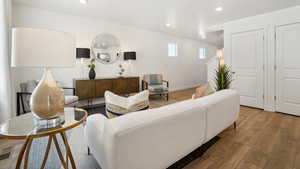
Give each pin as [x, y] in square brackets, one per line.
[168, 25]
[219, 9]
[84, 1]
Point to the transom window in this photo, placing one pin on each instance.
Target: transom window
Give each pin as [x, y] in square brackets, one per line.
[202, 53]
[172, 50]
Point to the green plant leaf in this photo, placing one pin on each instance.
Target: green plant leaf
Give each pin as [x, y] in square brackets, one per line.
[224, 77]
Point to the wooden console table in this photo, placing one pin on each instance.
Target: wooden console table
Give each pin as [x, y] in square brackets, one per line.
[90, 89]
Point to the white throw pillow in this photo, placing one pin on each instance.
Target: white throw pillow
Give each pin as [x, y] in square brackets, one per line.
[118, 105]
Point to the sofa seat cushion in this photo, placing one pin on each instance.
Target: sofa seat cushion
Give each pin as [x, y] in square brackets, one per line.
[158, 88]
[117, 105]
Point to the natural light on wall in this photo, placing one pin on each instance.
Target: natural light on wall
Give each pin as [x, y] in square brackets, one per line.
[172, 50]
[201, 53]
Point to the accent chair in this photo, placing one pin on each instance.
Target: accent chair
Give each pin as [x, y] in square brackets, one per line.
[156, 85]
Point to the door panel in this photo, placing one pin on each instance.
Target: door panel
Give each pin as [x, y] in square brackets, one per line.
[247, 56]
[288, 69]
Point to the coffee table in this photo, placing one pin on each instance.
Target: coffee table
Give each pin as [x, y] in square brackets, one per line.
[23, 127]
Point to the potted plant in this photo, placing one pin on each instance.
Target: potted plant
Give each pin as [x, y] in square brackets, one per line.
[92, 73]
[224, 77]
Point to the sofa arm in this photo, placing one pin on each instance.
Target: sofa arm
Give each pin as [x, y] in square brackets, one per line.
[94, 129]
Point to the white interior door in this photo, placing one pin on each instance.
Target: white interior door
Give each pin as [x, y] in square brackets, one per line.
[288, 69]
[247, 56]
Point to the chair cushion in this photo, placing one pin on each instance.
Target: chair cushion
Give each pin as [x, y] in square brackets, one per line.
[158, 88]
[117, 105]
[154, 79]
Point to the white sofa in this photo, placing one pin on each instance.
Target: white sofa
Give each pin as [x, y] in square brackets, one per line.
[157, 138]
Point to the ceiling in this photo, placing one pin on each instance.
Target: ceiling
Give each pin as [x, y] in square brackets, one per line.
[187, 18]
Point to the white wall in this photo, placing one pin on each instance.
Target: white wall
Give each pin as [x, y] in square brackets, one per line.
[267, 22]
[184, 71]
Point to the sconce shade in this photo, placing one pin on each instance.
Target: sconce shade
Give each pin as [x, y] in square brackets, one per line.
[83, 53]
[129, 55]
[33, 47]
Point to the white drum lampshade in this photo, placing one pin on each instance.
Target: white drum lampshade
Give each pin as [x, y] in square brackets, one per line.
[43, 48]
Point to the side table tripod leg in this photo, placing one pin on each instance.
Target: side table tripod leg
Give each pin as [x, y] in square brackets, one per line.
[68, 149]
[27, 153]
[21, 153]
[62, 160]
[46, 152]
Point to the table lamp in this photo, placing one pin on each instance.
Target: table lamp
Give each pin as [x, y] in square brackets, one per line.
[41, 48]
[82, 54]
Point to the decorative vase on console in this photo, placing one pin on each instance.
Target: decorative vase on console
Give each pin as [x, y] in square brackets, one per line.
[92, 73]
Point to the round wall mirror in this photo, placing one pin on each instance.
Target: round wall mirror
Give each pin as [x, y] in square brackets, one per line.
[106, 48]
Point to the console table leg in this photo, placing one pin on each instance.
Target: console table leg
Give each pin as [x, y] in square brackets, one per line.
[89, 151]
[21, 153]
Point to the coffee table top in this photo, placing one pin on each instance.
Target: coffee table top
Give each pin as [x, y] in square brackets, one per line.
[22, 126]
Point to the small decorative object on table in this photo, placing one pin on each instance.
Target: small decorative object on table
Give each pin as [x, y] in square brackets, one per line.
[224, 77]
[92, 73]
[122, 70]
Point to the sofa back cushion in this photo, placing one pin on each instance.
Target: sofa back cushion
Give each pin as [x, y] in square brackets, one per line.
[222, 110]
[156, 138]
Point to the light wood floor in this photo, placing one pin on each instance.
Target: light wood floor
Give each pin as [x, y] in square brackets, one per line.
[263, 140]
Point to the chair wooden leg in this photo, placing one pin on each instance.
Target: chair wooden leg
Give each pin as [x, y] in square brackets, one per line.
[234, 125]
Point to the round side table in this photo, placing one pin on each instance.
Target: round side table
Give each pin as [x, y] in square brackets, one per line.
[23, 127]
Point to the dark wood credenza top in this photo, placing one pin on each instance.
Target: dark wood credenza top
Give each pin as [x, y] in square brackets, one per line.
[90, 89]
